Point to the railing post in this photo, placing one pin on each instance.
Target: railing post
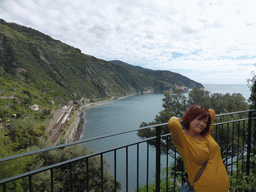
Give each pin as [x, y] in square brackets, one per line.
[249, 143]
[4, 187]
[158, 157]
[30, 183]
[51, 180]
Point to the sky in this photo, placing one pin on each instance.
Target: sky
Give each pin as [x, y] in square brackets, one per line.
[208, 41]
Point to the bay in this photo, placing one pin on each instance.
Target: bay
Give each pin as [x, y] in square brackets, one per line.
[118, 116]
[127, 114]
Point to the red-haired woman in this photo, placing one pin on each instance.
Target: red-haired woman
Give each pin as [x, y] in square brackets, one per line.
[196, 145]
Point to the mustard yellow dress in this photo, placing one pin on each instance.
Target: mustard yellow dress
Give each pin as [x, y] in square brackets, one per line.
[194, 153]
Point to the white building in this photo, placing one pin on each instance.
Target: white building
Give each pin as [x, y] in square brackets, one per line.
[34, 107]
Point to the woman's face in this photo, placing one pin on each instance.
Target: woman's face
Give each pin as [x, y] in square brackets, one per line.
[198, 125]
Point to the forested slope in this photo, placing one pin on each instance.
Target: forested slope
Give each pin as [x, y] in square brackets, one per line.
[162, 75]
[63, 72]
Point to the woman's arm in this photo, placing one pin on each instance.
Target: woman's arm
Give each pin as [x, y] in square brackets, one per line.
[212, 114]
[177, 135]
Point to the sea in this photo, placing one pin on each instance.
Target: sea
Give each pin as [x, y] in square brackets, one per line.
[127, 114]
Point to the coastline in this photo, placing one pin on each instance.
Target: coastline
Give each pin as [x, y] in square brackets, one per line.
[78, 129]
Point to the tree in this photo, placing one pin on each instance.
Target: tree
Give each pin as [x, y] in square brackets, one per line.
[12, 167]
[199, 96]
[252, 98]
[80, 174]
[27, 134]
[175, 102]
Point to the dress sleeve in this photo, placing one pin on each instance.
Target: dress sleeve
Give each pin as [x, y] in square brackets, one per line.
[212, 114]
[177, 135]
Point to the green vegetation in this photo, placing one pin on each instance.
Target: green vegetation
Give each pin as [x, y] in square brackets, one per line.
[8, 148]
[23, 129]
[41, 181]
[243, 182]
[79, 171]
[23, 124]
[162, 78]
[164, 182]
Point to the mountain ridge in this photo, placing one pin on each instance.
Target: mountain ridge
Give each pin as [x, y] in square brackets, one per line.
[183, 81]
[65, 73]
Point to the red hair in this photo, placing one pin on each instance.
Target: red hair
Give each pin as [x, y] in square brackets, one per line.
[197, 111]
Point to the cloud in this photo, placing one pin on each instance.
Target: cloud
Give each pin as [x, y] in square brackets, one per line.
[208, 37]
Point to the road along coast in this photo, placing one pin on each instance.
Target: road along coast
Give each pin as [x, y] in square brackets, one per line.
[57, 128]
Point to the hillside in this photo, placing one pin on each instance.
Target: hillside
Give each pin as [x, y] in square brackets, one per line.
[162, 75]
[63, 73]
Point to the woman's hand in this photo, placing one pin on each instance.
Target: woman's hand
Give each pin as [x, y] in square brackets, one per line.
[173, 117]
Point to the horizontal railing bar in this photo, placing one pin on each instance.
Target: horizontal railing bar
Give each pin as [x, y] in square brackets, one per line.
[72, 161]
[236, 112]
[68, 161]
[58, 147]
[48, 167]
[165, 135]
[233, 121]
[129, 145]
[73, 143]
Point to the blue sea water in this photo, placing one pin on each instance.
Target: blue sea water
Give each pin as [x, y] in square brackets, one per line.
[119, 116]
[229, 88]
[127, 114]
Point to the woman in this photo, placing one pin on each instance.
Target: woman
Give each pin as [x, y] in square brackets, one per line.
[196, 145]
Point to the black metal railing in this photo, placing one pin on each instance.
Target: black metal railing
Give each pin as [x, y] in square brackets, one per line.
[235, 137]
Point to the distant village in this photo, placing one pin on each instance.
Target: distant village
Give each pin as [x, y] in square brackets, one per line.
[183, 88]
